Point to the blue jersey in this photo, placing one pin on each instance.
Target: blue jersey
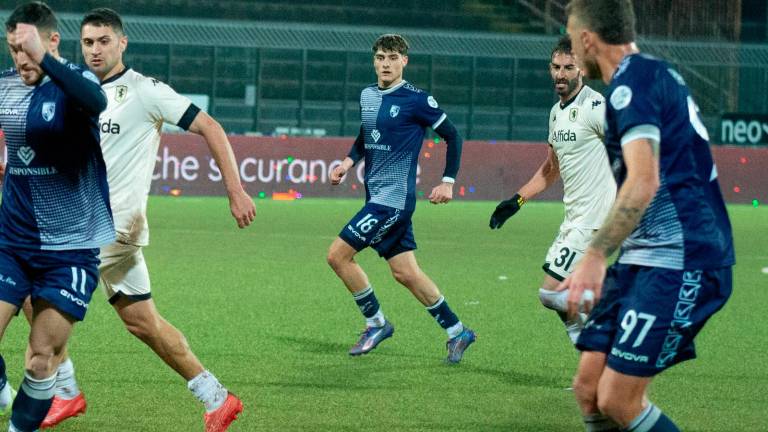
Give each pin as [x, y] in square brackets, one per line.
[55, 193]
[394, 122]
[686, 225]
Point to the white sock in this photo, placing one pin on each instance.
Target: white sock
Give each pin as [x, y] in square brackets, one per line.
[66, 385]
[376, 320]
[455, 330]
[6, 397]
[209, 390]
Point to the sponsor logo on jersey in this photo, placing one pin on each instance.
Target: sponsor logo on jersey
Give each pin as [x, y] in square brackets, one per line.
[109, 128]
[32, 171]
[121, 92]
[573, 114]
[563, 135]
[48, 110]
[376, 135]
[394, 111]
[432, 102]
[629, 356]
[26, 154]
[68, 295]
[9, 111]
[621, 97]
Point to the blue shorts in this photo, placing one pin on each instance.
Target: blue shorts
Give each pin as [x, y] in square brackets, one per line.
[65, 279]
[387, 230]
[648, 316]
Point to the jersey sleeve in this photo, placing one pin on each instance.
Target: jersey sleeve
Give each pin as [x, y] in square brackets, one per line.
[595, 118]
[165, 105]
[428, 112]
[552, 118]
[637, 101]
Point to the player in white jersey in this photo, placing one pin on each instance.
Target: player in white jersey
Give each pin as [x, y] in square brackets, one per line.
[130, 135]
[577, 155]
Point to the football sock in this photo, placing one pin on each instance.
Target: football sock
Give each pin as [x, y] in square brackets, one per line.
[651, 419]
[208, 390]
[369, 306]
[446, 318]
[5, 388]
[600, 423]
[66, 385]
[32, 403]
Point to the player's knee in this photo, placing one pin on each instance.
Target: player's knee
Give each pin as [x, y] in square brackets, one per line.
[585, 391]
[407, 278]
[612, 407]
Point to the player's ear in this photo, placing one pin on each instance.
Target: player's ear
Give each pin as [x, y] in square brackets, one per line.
[123, 43]
[405, 60]
[53, 42]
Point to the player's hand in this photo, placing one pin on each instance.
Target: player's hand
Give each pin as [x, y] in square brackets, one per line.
[337, 174]
[585, 283]
[505, 210]
[242, 207]
[441, 193]
[27, 39]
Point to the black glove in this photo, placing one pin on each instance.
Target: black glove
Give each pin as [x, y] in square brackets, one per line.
[505, 210]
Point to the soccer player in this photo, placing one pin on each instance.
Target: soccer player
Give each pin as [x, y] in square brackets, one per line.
[137, 107]
[55, 210]
[395, 115]
[577, 155]
[674, 269]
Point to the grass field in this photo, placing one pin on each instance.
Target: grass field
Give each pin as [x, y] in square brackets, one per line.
[265, 313]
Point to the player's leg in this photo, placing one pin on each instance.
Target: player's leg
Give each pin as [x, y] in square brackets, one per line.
[585, 389]
[7, 393]
[407, 272]
[356, 236]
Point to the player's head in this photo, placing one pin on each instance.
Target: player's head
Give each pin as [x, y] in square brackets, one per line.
[103, 42]
[390, 55]
[595, 24]
[41, 16]
[562, 68]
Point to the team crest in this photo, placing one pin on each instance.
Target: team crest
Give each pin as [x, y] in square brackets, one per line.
[394, 111]
[375, 134]
[121, 92]
[26, 154]
[432, 102]
[49, 110]
[573, 114]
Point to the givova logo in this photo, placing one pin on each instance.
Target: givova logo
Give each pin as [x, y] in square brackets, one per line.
[744, 129]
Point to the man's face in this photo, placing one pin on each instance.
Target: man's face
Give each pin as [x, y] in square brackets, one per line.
[583, 47]
[389, 67]
[102, 49]
[565, 75]
[31, 73]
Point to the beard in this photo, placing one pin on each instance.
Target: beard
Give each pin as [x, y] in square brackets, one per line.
[592, 70]
[570, 86]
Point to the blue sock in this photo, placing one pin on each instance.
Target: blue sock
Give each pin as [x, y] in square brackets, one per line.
[3, 377]
[651, 420]
[445, 317]
[32, 402]
[369, 306]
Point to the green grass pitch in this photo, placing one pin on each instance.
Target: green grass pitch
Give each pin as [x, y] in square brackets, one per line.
[264, 312]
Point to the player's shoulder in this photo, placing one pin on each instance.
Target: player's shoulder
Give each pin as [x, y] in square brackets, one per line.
[589, 98]
[140, 79]
[638, 70]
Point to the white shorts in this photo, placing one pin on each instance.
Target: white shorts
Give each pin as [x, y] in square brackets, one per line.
[566, 251]
[123, 271]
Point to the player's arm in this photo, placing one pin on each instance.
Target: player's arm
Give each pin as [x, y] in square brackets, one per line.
[355, 154]
[443, 192]
[240, 203]
[82, 87]
[548, 173]
[634, 196]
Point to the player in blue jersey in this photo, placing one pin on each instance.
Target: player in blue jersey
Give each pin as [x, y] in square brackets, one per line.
[395, 115]
[55, 212]
[674, 268]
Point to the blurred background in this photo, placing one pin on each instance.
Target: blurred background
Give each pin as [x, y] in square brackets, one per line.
[297, 67]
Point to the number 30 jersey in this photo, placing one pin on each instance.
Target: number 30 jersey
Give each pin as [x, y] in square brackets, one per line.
[686, 226]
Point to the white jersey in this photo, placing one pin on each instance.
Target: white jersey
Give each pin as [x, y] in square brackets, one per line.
[575, 134]
[130, 127]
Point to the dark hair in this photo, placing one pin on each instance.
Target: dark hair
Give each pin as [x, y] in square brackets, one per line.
[103, 17]
[563, 46]
[35, 13]
[612, 20]
[391, 42]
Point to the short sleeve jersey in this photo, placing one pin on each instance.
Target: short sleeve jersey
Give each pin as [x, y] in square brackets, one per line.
[55, 193]
[394, 123]
[576, 136]
[686, 225]
[137, 107]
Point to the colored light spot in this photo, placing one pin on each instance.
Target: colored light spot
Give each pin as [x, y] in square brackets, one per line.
[427, 155]
[354, 186]
[462, 192]
[166, 189]
[736, 189]
[283, 136]
[755, 203]
[421, 194]
[289, 159]
[175, 192]
[299, 195]
[431, 145]
[492, 141]
[471, 189]
[743, 160]
[436, 140]
[262, 195]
